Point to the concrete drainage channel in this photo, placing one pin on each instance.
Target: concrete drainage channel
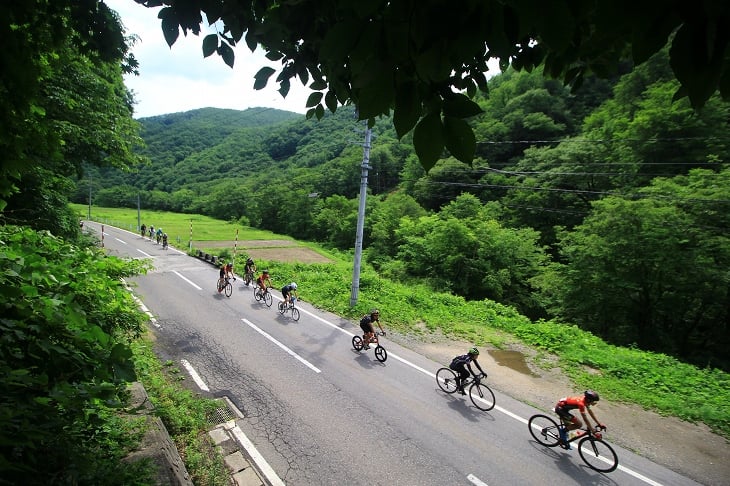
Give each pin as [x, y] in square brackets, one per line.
[240, 456]
[247, 466]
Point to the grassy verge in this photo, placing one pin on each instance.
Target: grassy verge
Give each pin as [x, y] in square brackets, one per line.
[184, 415]
[651, 380]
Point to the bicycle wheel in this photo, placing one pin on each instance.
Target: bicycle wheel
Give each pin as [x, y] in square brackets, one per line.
[357, 343]
[544, 430]
[597, 455]
[295, 313]
[219, 286]
[228, 289]
[281, 307]
[446, 379]
[481, 396]
[257, 294]
[268, 300]
[380, 353]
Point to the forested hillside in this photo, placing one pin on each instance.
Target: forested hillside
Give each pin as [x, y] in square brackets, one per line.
[605, 207]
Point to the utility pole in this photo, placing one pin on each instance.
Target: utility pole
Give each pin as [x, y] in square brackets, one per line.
[89, 196]
[364, 167]
[139, 222]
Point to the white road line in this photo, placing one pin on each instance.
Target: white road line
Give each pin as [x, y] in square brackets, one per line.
[475, 480]
[270, 338]
[187, 280]
[195, 376]
[638, 476]
[120, 241]
[264, 468]
[144, 253]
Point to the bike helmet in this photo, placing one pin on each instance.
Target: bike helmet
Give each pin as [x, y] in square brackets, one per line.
[591, 396]
[474, 352]
[265, 272]
[249, 261]
[293, 286]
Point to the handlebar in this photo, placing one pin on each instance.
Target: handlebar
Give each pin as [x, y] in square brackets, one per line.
[600, 428]
[381, 333]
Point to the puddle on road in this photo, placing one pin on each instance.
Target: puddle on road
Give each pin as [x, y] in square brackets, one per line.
[513, 360]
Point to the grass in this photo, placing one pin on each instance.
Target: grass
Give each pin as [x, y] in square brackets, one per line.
[653, 381]
[184, 415]
[176, 225]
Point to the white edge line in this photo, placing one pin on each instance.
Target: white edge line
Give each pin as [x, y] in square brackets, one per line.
[638, 475]
[144, 253]
[270, 338]
[120, 241]
[186, 279]
[195, 376]
[264, 467]
[475, 480]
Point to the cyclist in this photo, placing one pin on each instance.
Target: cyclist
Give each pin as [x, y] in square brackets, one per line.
[152, 231]
[366, 324]
[582, 403]
[249, 270]
[229, 271]
[221, 277]
[164, 241]
[460, 365]
[143, 230]
[264, 281]
[287, 291]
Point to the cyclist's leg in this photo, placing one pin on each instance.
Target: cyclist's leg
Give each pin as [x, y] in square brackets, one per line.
[461, 375]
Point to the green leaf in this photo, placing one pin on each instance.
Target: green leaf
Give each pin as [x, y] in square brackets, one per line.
[318, 85]
[210, 44]
[407, 109]
[314, 99]
[459, 139]
[170, 30]
[460, 106]
[225, 51]
[428, 140]
[330, 99]
[262, 77]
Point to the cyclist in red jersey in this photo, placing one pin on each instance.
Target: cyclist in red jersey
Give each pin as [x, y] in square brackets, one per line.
[582, 403]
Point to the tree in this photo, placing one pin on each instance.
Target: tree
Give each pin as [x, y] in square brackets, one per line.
[654, 271]
[418, 58]
[38, 38]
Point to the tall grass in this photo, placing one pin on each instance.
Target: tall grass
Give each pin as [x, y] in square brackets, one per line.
[654, 381]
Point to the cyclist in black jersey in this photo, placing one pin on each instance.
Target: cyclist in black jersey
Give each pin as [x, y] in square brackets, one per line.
[460, 365]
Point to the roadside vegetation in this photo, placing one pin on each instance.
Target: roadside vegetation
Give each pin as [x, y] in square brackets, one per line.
[652, 380]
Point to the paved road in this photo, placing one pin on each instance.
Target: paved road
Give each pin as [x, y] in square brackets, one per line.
[321, 413]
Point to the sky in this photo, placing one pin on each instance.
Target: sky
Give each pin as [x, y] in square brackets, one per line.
[180, 79]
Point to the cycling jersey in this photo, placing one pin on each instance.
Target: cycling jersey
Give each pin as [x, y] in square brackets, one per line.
[571, 403]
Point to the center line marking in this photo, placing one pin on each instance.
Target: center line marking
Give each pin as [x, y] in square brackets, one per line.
[270, 338]
[186, 279]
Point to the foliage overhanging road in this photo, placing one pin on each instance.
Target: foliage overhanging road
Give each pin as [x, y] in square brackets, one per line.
[320, 413]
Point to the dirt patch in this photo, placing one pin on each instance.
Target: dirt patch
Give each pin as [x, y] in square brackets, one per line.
[274, 250]
[690, 449]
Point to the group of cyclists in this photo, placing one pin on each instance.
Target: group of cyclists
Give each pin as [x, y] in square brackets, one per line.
[460, 364]
[154, 234]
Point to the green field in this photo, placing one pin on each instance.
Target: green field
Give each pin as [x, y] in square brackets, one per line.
[178, 227]
[654, 381]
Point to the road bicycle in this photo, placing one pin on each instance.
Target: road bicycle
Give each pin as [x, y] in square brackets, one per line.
[480, 394]
[249, 278]
[380, 353]
[263, 295]
[164, 243]
[594, 451]
[224, 285]
[283, 307]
